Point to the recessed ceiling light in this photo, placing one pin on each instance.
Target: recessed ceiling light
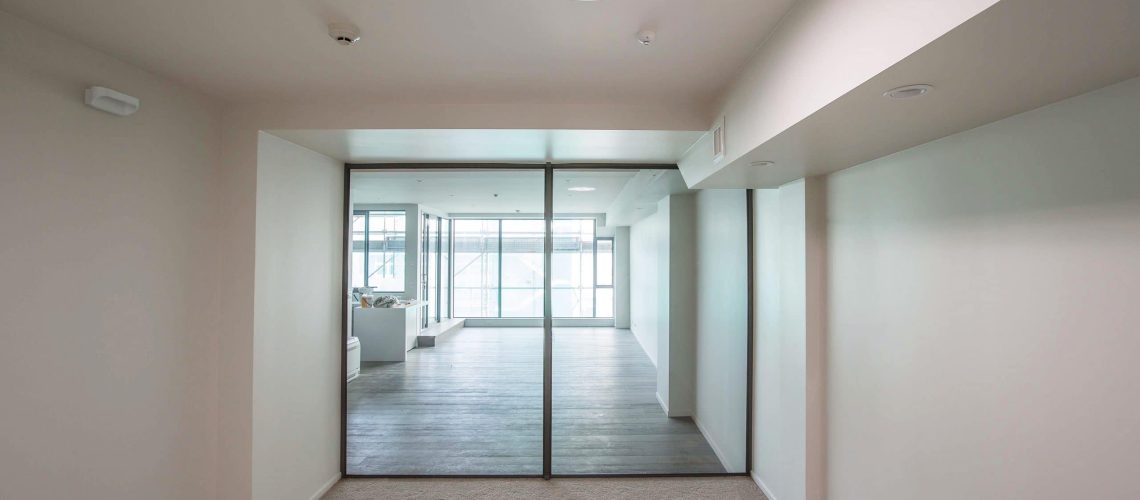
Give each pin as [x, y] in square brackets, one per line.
[762, 163]
[908, 91]
[344, 33]
[581, 189]
[646, 37]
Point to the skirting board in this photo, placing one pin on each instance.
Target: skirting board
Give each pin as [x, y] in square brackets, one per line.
[716, 449]
[326, 487]
[763, 488]
[652, 357]
[661, 402]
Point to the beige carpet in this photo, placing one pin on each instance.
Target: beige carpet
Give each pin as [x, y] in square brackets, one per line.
[622, 488]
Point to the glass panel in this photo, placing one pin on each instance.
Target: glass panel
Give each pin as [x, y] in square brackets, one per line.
[356, 273]
[386, 242]
[605, 302]
[573, 268]
[445, 269]
[523, 265]
[476, 268]
[433, 269]
[605, 262]
[613, 383]
[472, 403]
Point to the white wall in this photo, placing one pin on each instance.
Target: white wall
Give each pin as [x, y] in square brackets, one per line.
[297, 338]
[788, 411]
[983, 310]
[622, 277]
[108, 279]
[721, 354]
[676, 307]
[663, 319]
[645, 241]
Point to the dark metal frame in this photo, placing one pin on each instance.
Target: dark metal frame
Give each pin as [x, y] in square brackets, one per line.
[548, 331]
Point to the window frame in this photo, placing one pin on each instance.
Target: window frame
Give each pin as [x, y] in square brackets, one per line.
[366, 243]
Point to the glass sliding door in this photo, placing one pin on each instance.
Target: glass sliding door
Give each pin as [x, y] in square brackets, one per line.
[563, 321]
[456, 398]
[647, 387]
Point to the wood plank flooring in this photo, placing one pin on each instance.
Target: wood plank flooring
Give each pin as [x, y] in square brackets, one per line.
[473, 405]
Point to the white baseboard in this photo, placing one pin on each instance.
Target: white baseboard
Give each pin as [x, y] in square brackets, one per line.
[661, 402]
[763, 487]
[652, 357]
[325, 487]
[724, 462]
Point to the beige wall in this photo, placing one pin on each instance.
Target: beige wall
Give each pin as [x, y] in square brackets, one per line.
[297, 339]
[108, 279]
[982, 308]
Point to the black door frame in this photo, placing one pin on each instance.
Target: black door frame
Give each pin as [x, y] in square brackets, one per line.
[548, 170]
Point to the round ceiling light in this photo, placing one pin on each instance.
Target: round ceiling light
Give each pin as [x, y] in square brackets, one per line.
[581, 189]
[762, 163]
[344, 33]
[908, 91]
[646, 37]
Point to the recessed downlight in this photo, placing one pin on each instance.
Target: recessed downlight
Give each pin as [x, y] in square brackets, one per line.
[908, 91]
[581, 189]
[762, 163]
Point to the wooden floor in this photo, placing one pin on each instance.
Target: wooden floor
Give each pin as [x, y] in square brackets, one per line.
[473, 405]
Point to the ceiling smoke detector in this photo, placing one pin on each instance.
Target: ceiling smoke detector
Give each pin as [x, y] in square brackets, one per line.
[908, 91]
[646, 37]
[344, 33]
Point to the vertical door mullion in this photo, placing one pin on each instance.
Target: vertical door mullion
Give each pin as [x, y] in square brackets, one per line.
[500, 266]
[547, 324]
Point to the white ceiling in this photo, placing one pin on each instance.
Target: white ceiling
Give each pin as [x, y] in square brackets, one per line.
[473, 191]
[444, 145]
[438, 50]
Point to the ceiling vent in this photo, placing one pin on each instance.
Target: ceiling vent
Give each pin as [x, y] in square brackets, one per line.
[718, 140]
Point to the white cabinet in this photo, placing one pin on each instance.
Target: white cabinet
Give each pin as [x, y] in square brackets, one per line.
[353, 348]
[386, 333]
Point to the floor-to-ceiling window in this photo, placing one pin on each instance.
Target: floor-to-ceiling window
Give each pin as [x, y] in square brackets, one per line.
[378, 249]
[604, 280]
[522, 258]
[499, 269]
[476, 264]
[572, 281]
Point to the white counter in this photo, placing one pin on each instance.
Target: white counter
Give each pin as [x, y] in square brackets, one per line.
[386, 333]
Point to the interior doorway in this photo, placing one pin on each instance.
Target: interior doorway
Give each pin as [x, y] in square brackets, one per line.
[535, 347]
